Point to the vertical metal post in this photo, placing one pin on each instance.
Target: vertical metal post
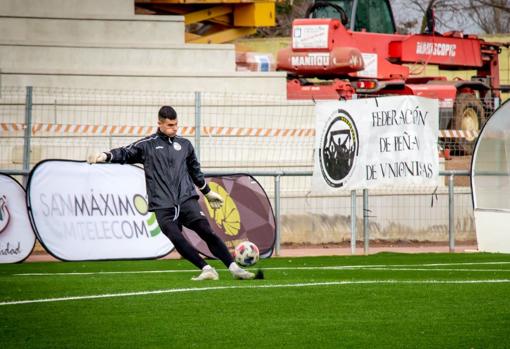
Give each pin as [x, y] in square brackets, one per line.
[353, 222]
[451, 213]
[28, 132]
[198, 122]
[277, 213]
[366, 235]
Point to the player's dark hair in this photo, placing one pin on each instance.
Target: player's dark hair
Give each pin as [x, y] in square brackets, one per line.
[167, 112]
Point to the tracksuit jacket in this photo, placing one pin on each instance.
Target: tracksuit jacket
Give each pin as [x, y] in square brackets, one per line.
[171, 168]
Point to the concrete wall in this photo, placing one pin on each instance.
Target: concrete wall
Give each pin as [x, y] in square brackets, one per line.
[271, 83]
[96, 43]
[67, 8]
[81, 60]
[135, 31]
[392, 217]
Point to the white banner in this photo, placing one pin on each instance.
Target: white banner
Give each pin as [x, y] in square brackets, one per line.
[371, 143]
[17, 238]
[93, 212]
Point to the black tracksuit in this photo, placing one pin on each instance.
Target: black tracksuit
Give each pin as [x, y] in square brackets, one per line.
[171, 173]
[171, 168]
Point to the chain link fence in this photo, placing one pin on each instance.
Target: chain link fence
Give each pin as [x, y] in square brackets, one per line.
[240, 133]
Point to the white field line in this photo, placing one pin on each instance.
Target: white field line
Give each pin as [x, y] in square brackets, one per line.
[337, 267]
[437, 269]
[201, 289]
[112, 272]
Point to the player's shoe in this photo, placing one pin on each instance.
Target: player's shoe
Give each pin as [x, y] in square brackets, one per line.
[207, 274]
[242, 274]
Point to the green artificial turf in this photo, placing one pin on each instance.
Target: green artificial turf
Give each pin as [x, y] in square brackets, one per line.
[379, 301]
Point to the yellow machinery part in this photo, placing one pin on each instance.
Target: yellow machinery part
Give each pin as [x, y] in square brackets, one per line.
[226, 35]
[219, 21]
[258, 14]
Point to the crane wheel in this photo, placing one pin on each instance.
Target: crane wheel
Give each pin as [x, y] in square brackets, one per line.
[468, 115]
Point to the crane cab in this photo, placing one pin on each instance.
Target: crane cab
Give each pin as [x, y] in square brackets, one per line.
[373, 16]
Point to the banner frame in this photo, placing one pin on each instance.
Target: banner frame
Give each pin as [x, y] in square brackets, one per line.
[34, 227]
[270, 253]
[29, 217]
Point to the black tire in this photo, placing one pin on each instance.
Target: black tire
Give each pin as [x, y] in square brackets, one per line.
[468, 115]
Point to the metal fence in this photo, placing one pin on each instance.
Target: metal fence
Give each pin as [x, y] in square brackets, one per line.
[267, 136]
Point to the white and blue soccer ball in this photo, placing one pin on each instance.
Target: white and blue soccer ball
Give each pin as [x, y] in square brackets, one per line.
[246, 253]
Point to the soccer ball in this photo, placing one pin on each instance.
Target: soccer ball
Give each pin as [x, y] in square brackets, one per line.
[246, 253]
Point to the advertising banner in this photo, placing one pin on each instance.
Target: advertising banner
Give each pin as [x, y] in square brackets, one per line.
[17, 238]
[376, 142]
[93, 212]
[246, 215]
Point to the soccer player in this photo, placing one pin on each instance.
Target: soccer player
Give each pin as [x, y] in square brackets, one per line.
[171, 173]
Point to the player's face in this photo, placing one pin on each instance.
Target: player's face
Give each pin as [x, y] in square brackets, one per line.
[168, 127]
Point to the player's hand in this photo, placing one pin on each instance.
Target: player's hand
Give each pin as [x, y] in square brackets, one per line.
[95, 158]
[215, 200]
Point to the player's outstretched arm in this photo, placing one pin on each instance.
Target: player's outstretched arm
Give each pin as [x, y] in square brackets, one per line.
[130, 154]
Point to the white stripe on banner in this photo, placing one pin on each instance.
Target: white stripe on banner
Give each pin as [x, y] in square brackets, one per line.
[311, 284]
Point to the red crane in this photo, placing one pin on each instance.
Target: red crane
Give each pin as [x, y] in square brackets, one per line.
[348, 48]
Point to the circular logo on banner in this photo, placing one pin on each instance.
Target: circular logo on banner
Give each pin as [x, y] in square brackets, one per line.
[338, 148]
[227, 217]
[142, 206]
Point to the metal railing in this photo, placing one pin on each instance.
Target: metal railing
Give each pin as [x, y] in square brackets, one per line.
[450, 174]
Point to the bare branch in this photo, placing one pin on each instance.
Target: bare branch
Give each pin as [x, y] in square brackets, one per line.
[488, 15]
[500, 5]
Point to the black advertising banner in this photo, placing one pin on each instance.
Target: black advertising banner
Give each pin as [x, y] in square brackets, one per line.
[246, 215]
[17, 239]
